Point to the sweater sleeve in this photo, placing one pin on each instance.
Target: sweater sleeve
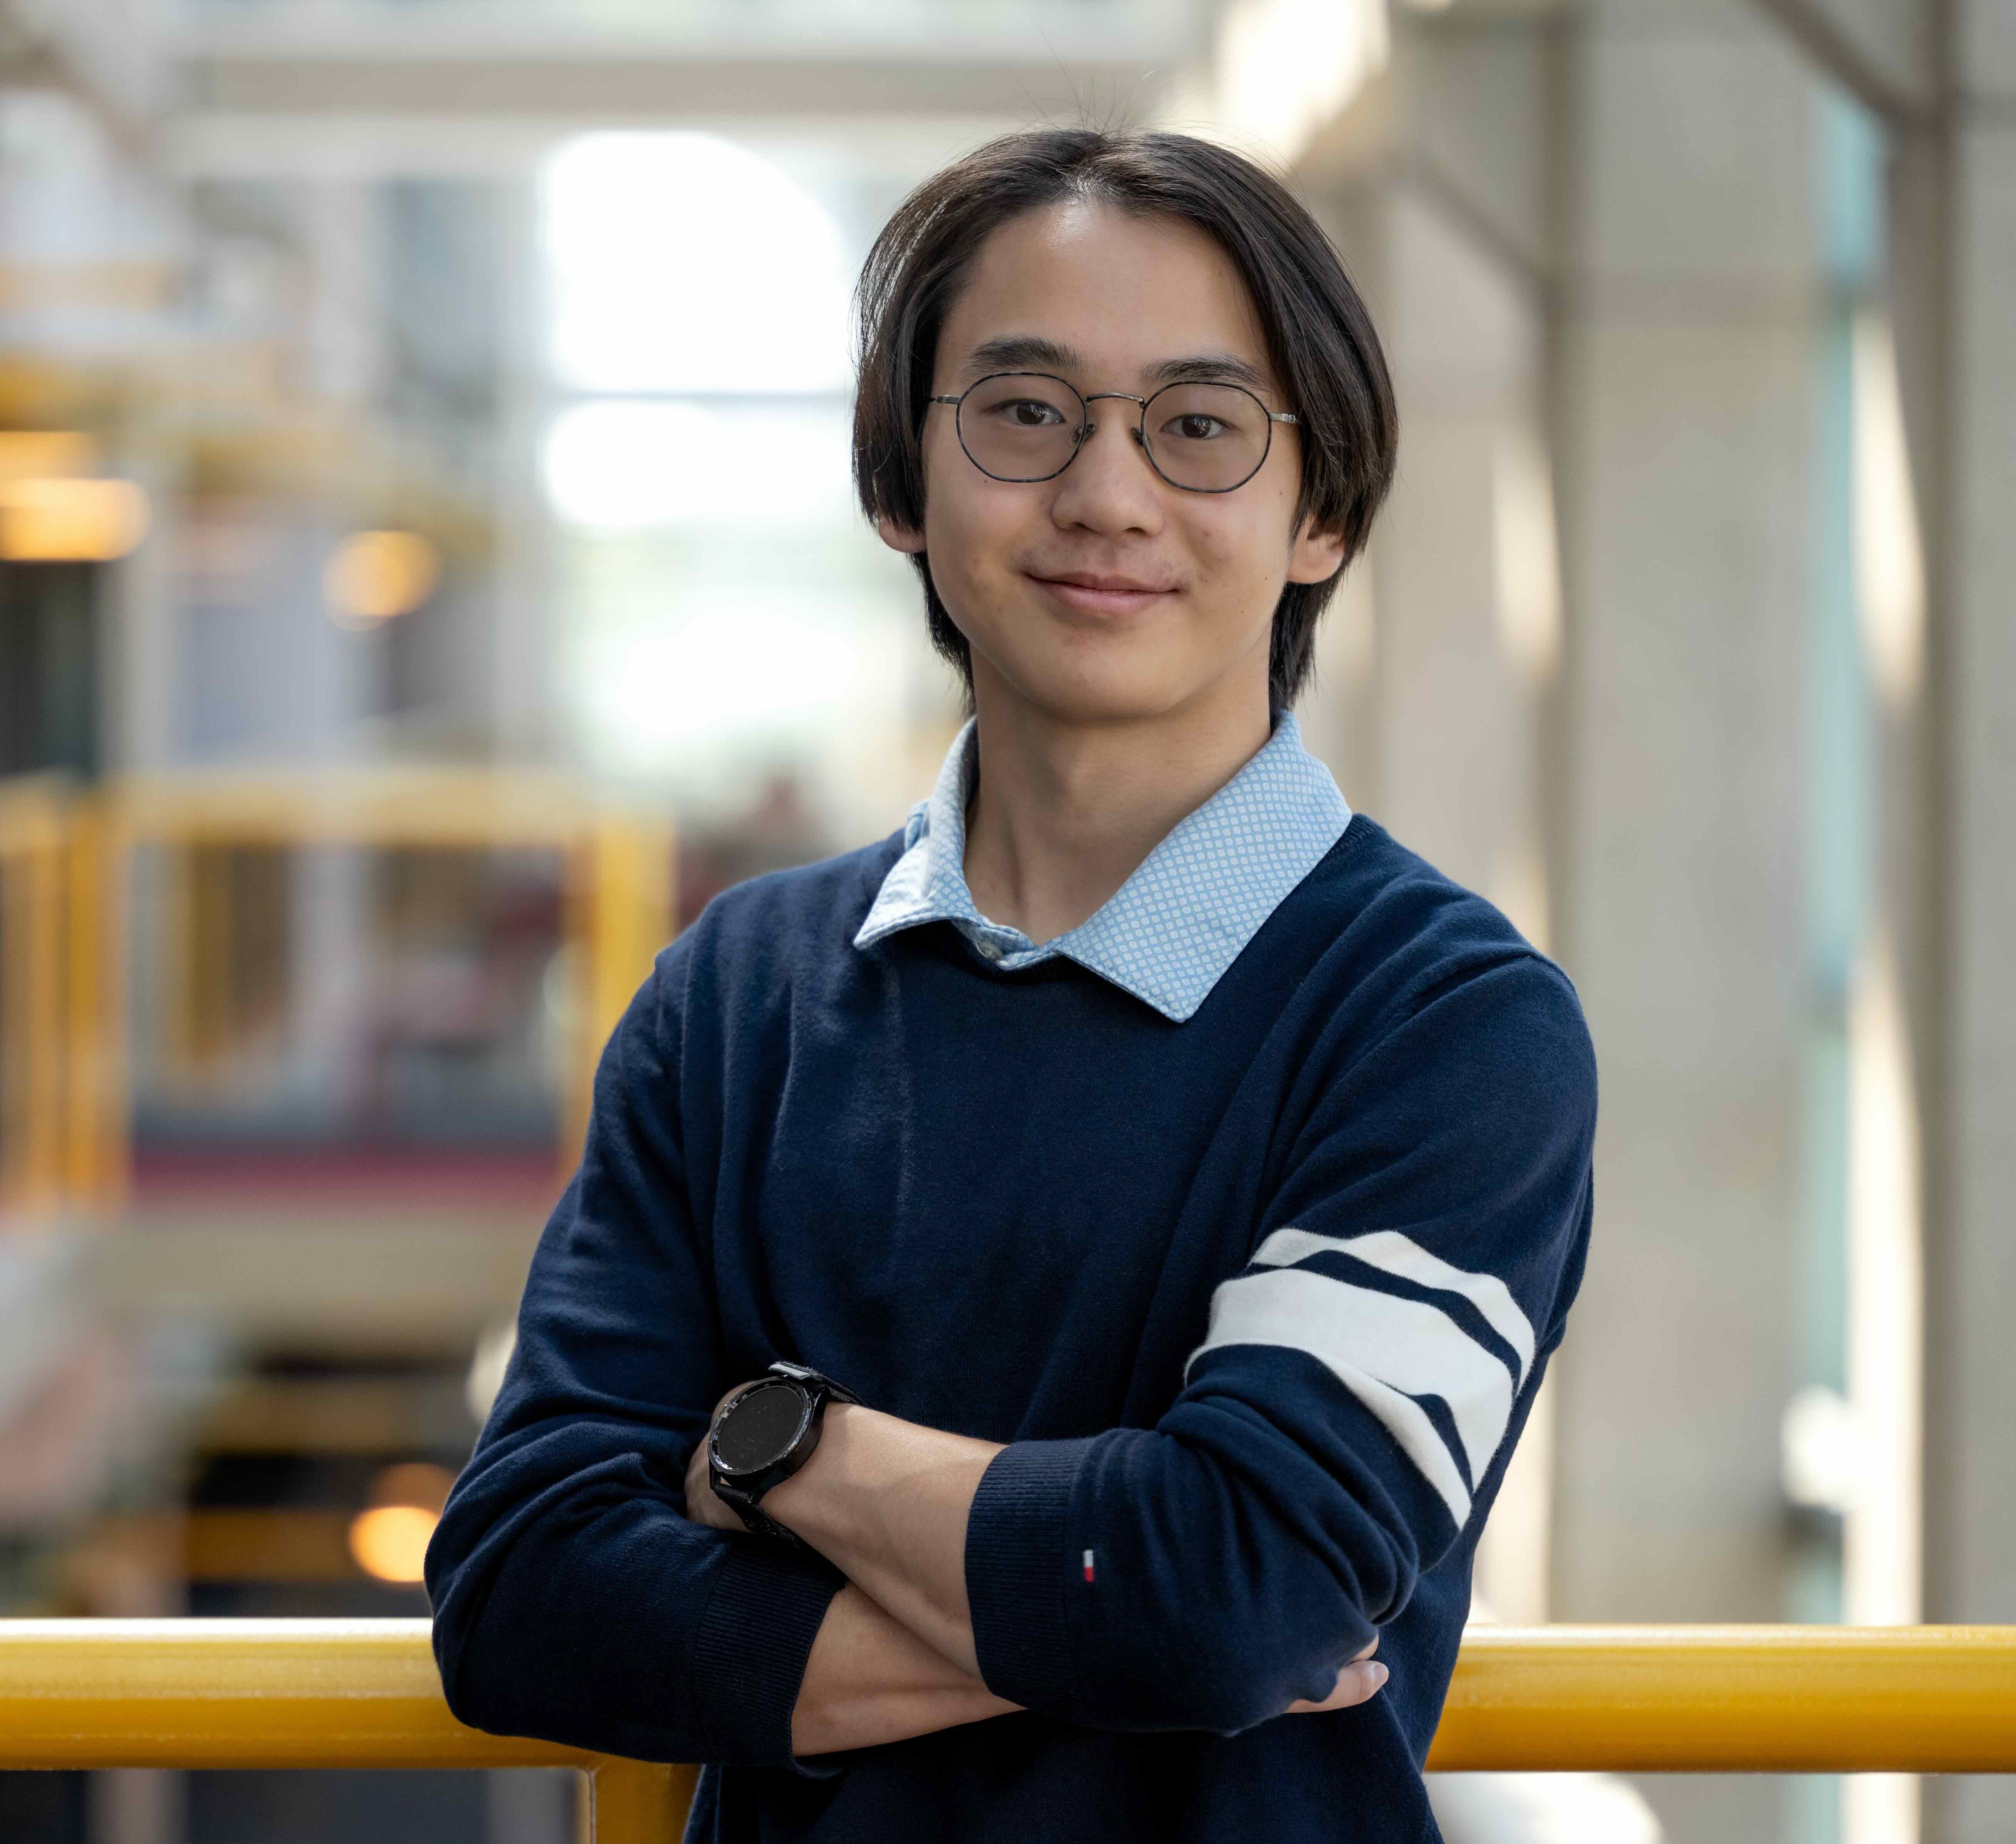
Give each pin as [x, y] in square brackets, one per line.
[1350, 1404]
[573, 1599]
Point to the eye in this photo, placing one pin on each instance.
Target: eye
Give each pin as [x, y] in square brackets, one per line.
[1029, 413]
[1196, 427]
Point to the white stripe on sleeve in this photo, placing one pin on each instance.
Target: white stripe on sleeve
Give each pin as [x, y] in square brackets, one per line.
[1395, 1254]
[1386, 1351]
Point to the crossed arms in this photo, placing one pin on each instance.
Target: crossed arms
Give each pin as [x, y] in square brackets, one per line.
[887, 1502]
[1250, 1543]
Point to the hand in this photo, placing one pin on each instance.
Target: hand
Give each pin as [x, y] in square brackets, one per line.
[1356, 1684]
[702, 1506]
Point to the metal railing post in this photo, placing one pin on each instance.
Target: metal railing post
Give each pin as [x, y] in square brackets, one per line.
[34, 814]
[62, 995]
[98, 1152]
[43, 871]
[622, 913]
[637, 1801]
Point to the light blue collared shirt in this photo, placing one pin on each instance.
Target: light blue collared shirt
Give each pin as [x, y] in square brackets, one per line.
[1169, 932]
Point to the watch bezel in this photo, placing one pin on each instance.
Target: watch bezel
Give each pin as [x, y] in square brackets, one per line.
[740, 1491]
[806, 1402]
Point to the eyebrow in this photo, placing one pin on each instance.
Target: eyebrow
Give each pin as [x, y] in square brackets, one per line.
[1029, 352]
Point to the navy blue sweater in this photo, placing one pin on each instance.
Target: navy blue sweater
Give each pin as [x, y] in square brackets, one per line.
[1260, 1301]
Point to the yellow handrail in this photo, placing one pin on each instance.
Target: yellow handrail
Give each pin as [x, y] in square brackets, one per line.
[1733, 1699]
[279, 1694]
[364, 1693]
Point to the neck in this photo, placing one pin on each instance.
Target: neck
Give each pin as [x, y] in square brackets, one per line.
[1066, 810]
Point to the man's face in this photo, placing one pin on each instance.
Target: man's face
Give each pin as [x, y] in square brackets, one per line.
[1112, 297]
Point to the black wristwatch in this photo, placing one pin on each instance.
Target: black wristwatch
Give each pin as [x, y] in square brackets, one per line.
[763, 1434]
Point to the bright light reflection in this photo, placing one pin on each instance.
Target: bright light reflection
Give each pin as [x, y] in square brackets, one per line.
[628, 464]
[374, 576]
[1889, 558]
[1286, 67]
[65, 520]
[1543, 1808]
[740, 661]
[1528, 566]
[389, 1541]
[1886, 1292]
[683, 261]
[1883, 1540]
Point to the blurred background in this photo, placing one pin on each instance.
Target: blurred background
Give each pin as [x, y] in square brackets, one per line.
[378, 688]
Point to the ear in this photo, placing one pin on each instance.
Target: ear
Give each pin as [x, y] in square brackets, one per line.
[1314, 556]
[899, 537]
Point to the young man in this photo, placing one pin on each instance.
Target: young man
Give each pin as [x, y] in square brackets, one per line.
[1187, 1184]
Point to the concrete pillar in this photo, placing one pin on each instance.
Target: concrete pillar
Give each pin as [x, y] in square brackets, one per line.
[1971, 1486]
[1465, 580]
[1439, 667]
[525, 673]
[1686, 422]
[1442, 646]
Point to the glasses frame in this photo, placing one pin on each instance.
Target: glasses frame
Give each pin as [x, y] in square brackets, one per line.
[1139, 431]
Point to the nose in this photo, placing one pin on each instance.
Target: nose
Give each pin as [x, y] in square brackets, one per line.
[1100, 488]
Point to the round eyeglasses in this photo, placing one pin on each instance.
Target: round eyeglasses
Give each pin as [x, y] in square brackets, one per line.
[1028, 426]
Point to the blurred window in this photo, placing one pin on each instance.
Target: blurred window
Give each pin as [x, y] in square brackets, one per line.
[727, 622]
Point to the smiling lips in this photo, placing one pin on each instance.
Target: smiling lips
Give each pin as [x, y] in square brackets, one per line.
[1090, 593]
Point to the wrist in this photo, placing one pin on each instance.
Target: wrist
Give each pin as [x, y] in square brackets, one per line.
[811, 1504]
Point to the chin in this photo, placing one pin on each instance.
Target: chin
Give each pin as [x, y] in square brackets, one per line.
[1116, 692]
[1109, 673]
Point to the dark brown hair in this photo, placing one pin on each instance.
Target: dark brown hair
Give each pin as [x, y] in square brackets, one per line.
[1319, 337]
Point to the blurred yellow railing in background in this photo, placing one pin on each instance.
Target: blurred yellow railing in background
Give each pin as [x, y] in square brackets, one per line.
[49, 991]
[66, 859]
[364, 1693]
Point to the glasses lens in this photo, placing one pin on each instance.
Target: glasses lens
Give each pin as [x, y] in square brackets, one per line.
[1021, 425]
[1208, 437]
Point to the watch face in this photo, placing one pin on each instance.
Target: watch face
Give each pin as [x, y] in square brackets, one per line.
[760, 1429]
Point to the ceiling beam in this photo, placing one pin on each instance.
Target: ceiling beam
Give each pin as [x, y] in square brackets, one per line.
[593, 90]
[1811, 26]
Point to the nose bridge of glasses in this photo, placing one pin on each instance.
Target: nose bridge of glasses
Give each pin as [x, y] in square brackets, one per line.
[1086, 429]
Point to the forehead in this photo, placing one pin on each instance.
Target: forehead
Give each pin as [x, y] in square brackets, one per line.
[1124, 294]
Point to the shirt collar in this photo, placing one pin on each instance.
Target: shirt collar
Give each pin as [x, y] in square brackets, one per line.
[1167, 934]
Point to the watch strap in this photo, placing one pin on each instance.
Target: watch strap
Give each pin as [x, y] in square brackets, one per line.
[754, 1518]
[824, 1387]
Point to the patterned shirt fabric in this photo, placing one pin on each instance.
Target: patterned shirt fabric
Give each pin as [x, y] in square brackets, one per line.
[1167, 934]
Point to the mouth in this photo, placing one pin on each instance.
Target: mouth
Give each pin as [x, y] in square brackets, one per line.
[1086, 593]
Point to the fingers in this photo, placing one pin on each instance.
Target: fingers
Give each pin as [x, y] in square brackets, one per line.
[1358, 1682]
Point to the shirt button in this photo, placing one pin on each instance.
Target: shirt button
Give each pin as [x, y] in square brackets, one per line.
[990, 950]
